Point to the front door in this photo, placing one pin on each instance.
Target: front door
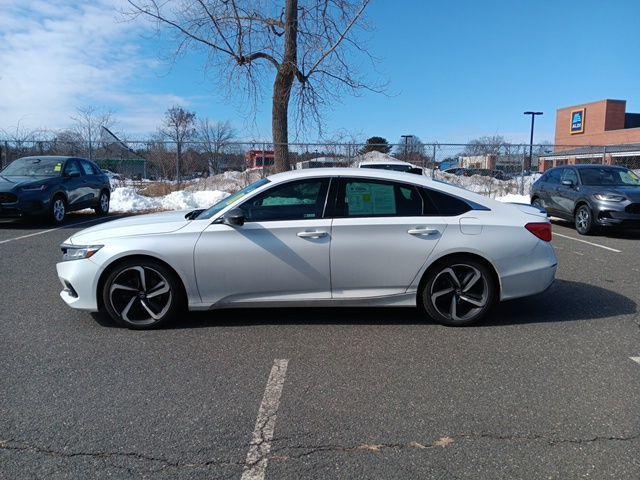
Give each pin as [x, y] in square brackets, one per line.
[280, 254]
[382, 234]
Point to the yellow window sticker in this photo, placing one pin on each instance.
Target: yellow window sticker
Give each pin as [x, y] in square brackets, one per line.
[57, 167]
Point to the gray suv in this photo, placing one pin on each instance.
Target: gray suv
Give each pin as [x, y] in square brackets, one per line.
[591, 196]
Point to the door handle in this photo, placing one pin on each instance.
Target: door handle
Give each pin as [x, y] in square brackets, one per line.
[313, 234]
[422, 231]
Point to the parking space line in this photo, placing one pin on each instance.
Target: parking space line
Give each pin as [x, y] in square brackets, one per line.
[260, 446]
[588, 243]
[635, 359]
[42, 232]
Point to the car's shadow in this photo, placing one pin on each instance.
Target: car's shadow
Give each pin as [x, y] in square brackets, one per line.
[564, 301]
[609, 232]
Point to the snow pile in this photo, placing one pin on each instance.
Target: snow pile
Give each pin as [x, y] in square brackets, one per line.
[127, 199]
[491, 187]
[230, 181]
[513, 198]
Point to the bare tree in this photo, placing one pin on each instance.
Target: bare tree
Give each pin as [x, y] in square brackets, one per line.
[87, 123]
[487, 145]
[215, 138]
[308, 47]
[410, 149]
[179, 128]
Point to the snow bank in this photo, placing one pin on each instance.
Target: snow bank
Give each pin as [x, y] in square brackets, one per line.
[126, 199]
[513, 198]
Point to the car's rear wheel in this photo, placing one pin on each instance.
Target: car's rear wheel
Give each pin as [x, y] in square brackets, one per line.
[537, 203]
[58, 210]
[584, 220]
[142, 294]
[102, 208]
[459, 291]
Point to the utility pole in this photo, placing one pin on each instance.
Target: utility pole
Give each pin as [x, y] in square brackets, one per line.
[406, 144]
[527, 166]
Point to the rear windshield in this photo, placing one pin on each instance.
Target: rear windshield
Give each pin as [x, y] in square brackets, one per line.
[34, 167]
[603, 176]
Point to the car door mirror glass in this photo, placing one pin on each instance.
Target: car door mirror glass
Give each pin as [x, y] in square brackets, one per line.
[234, 218]
[72, 174]
[567, 183]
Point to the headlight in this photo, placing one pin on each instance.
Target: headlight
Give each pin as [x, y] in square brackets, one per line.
[34, 188]
[77, 252]
[609, 197]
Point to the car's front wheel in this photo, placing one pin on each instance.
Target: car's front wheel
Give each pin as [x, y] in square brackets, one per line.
[142, 294]
[584, 220]
[58, 210]
[459, 291]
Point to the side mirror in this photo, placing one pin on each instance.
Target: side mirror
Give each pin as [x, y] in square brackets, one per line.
[72, 174]
[567, 183]
[234, 218]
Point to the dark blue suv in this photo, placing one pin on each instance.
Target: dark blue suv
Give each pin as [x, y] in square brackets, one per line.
[51, 186]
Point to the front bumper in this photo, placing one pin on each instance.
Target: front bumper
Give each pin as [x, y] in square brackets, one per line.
[23, 206]
[623, 214]
[79, 279]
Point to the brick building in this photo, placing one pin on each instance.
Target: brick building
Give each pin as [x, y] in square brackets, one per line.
[597, 132]
[259, 159]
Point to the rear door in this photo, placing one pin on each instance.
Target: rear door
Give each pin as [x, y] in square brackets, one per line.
[549, 191]
[382, 234]
[568, 194]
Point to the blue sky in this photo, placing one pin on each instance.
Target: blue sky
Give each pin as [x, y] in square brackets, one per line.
[456, 69]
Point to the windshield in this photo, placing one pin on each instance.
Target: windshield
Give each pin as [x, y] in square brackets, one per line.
[231, 199]
[33, 167]
[607, 176]
[388, 166]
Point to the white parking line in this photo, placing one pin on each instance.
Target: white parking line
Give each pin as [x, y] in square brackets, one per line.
[588, 243]
[42, 232]
[635, 359]
[260, 446]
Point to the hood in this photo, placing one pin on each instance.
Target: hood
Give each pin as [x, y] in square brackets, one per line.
[10, 183]
[154, 223]
[631, 192]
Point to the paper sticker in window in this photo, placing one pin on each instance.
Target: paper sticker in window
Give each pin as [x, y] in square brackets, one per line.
[370, 199]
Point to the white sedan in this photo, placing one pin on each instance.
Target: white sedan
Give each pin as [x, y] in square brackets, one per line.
[317, 237]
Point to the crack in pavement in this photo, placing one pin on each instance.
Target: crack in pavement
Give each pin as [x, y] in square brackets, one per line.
[19, 446]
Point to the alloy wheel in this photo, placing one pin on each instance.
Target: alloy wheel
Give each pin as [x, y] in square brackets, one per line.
[140, 295]
[104, 202]
[583, 220]
[459, 292]
[59, 210]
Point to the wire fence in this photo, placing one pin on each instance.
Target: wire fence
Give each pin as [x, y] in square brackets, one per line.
[492, 166]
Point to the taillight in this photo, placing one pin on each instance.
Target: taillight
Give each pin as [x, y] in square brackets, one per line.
[541, 230]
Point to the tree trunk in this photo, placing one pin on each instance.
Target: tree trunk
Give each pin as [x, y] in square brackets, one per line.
[282, 88]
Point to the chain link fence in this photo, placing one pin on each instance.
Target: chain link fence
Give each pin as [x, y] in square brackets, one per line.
[493, 170]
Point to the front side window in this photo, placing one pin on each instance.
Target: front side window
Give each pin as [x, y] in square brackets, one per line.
[86, 167]
[231, 199]
[371, 198]
[298, 200]
[72, 168]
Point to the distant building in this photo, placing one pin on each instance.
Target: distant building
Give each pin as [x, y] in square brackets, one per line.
[320, 162]
[491, 162]
[259, 159]
[597, 132]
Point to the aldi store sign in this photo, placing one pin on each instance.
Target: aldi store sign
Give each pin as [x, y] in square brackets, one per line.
[577, 121]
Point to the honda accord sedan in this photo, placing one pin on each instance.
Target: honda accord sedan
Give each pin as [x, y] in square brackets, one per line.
[590, 196]
[317, 237]
[51, 186]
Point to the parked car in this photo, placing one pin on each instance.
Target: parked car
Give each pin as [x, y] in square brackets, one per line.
[392, 164]
[320, 237]
[51, 186]
[459, 171]
[591, 196]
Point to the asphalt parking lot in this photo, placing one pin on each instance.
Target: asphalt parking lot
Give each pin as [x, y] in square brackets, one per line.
[548, 388]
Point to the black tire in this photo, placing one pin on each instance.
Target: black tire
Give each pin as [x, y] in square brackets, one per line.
[457, 274]
[102, 208]
[58, 210]
[131, 303]
[583, 220]
[537, 203]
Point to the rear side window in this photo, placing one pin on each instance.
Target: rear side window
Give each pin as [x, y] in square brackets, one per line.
[378, 198]
[554, 176]
[446, 205]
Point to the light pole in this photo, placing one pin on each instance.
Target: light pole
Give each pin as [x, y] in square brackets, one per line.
[527, 165]
[406, 142]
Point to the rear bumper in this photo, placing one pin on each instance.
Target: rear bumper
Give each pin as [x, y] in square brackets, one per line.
[79, 281]
[535, 277]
